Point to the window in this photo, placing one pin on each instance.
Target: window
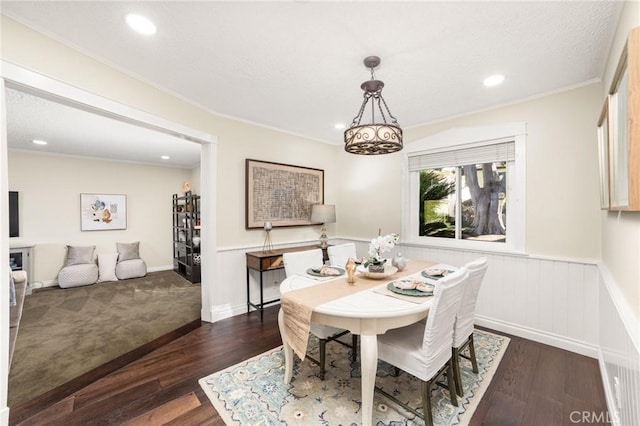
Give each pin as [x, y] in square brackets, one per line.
[467, 193]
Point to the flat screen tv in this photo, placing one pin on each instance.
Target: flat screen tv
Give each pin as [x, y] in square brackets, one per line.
[14, 216]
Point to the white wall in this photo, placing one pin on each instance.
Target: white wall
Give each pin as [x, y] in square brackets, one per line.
[50, 187]
[619, 301]
[621, 231]
[563, 217]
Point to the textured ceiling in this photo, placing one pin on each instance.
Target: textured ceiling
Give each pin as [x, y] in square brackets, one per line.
[297, 66]
[71, 131]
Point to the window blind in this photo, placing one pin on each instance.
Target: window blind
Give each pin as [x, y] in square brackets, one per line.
[503, 151]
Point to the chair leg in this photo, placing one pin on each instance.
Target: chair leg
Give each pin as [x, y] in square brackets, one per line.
[354, 343]
[452, 390]
[323, 350]
[472, 355]
[457, 376]
[426, 403]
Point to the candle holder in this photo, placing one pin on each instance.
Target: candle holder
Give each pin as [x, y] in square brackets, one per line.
[267, 246]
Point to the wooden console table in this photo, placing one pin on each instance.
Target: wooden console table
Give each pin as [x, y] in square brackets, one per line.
[262, 261]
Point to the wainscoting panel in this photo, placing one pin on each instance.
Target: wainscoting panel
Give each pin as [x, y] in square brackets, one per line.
[619, 353]
[551, 301]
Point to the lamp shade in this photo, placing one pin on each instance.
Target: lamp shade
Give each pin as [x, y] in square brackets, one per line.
[323, 213]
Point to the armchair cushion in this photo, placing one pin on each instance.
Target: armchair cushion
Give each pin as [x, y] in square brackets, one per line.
[78, 275]
[77, 255]
[128, 251]
[107, 267]
[133, 268]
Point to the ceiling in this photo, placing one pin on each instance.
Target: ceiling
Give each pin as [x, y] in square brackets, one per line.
[72, 131]
[297, 65]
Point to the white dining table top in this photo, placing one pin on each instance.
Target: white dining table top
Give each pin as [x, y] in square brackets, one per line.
[365, 304]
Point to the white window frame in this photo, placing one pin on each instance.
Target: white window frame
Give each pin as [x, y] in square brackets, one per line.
[461, 138]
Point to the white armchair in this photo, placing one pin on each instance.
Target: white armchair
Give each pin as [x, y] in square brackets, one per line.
[339, 254]
[422, 350]
[297, 263]
[463, 328]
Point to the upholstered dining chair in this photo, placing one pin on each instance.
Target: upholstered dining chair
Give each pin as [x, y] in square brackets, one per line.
[339, 254]
[422, 349]
[463, 328]
[297, 263]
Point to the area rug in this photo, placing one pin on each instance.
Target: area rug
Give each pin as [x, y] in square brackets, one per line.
[253, 392]
[65, 333]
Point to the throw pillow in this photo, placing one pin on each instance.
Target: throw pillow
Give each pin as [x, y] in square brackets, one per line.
[128, 251]
[12, 290]
[77, 255]
[107, 267]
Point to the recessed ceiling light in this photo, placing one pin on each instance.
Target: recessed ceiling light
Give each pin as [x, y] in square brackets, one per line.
[140, 24]
[494, 80]
[339, 126]
[165, 157]
[39, 142]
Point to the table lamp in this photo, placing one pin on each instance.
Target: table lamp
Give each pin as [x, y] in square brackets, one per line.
[323, 213]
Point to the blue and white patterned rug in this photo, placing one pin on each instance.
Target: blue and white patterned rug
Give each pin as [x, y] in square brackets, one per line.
[253, 392]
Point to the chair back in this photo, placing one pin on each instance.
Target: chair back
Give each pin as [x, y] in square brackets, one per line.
[438, 331]
[338, 255]
[465, 317]
[297, 263]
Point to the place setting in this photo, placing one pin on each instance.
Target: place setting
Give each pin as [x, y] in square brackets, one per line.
[325, 272]
[437, 272]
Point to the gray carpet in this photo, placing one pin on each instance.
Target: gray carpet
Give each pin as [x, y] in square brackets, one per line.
[67, 332]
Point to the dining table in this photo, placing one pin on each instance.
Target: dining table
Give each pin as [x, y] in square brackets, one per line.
[366, 307]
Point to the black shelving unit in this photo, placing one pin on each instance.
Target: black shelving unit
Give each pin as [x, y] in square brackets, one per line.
[186, 236]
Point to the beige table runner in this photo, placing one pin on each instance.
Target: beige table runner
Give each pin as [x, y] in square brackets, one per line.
[297, 305]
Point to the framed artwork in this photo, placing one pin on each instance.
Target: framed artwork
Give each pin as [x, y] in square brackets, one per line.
[624, 128]
[281, 194]
[103, 212]
[603, 154]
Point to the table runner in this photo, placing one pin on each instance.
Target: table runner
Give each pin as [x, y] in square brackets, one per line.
[297, 305]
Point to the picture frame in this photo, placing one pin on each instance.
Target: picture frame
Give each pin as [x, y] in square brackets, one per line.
[103, 212]
[603, 154]
[281, 193]
[624, 128]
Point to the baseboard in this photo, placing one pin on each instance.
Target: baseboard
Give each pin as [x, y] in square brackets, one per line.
[160, 268]
[612, 406]
[4, 416]
[555, 340]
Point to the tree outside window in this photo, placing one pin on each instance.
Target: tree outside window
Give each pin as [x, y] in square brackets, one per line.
[464, 202]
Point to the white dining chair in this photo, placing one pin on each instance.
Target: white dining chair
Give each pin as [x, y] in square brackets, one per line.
[423, 349]
[340, 254]
[463, 328]
[297, 263]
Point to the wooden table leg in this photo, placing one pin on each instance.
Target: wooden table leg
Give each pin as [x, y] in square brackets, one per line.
[368, 367]
[288, 352]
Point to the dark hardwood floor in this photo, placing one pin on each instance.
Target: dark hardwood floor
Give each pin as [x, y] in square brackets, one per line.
[535, 384]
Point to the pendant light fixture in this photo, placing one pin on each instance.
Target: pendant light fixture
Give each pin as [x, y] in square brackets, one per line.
[381, 137]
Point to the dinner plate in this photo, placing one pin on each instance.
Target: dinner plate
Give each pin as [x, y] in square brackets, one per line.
[435, 273]
[411, 292]
[314, 272]
[388, 271]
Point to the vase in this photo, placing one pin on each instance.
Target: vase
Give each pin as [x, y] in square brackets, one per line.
[377, 267]
[196, 241]
[399, 261]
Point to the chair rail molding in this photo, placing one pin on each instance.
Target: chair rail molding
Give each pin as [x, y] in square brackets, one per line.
[618, 351]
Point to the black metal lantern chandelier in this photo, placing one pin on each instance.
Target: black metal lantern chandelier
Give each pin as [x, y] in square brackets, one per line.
[382, 137]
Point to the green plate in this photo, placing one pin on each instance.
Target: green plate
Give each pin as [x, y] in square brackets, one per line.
[436, 277]
[315, 272]
[411, 292]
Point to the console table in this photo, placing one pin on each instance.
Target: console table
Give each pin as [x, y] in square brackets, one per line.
[262, 261]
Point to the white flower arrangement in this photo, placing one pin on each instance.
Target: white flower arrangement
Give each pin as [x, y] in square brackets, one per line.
[380, 245]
